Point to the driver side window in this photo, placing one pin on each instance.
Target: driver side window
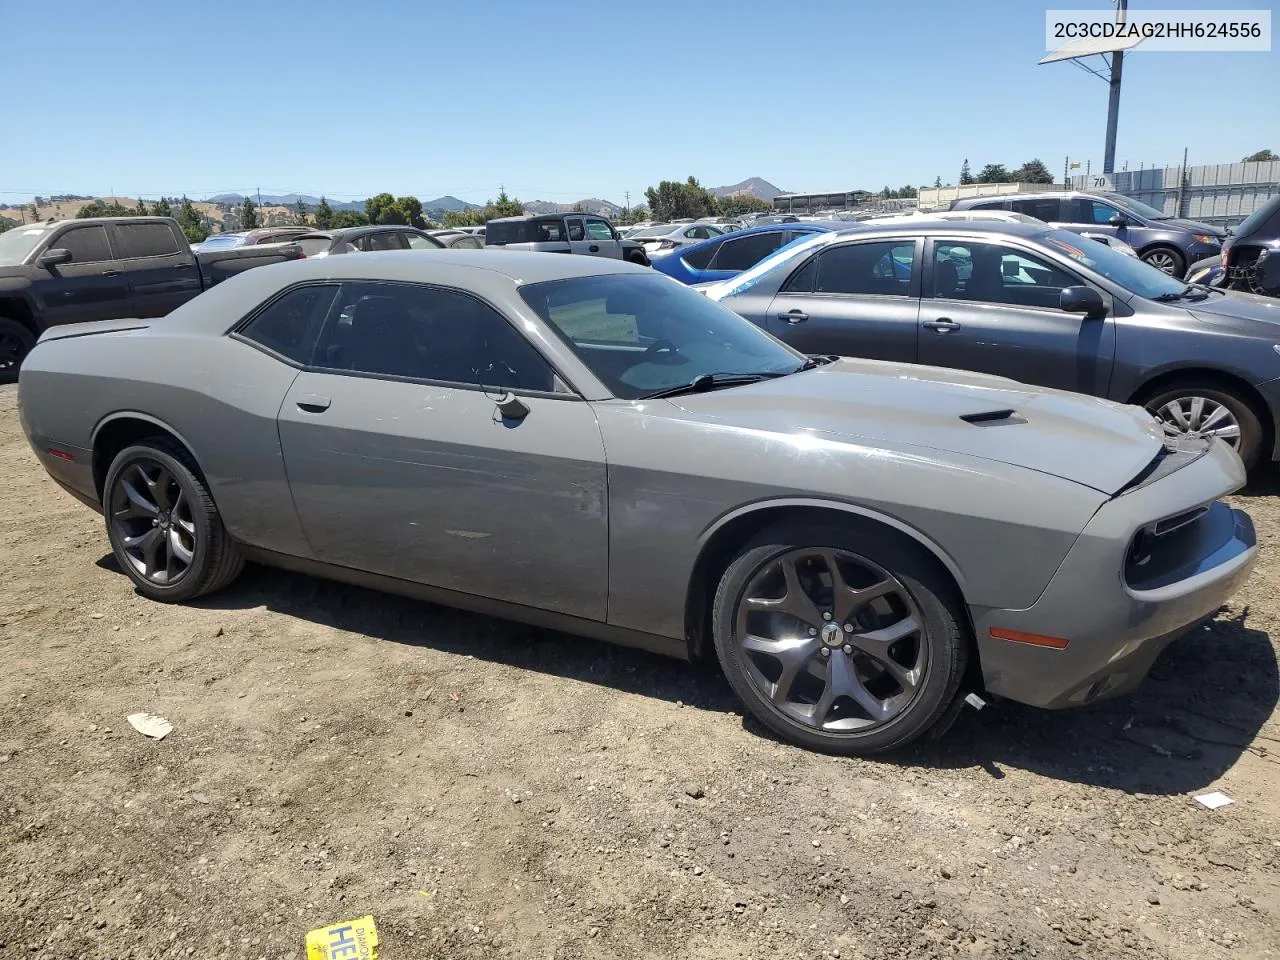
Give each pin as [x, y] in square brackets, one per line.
[428, 333]
[993, 273]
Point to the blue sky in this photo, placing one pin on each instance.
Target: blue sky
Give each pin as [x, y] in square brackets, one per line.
[561, 100]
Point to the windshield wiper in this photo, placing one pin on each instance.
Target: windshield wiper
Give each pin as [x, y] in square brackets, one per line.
[711, 381]
[1170, 297]
[817, 360]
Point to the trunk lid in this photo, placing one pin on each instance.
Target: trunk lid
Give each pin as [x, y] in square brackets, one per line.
[1094, 442]
[67, 330]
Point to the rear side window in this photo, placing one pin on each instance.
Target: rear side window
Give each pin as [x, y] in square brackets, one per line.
[313, 245]
[498, 232]
[87, 244]
[290, 324]
[699, 258]
[882, 269]
[1047, 209]
[989, 205]
[417, 241]
[391, 240]
[146, 240]
[740, 253]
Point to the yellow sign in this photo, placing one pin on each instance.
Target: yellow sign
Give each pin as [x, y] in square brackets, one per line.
[352, 940]
[1075, 166]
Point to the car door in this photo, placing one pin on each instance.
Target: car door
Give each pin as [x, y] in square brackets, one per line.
[855, 299]
[603, 241]
[91, 285]
[402, 463]
[161, 275]
[993, 307]
[576, 229]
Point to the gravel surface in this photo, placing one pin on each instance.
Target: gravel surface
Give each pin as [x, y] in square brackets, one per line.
[485, 789]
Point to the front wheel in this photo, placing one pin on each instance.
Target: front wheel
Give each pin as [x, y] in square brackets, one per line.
[164, 528]
[1202, 410]
[1166, 260]
[16, 341]
[849, 642]
[638, 257]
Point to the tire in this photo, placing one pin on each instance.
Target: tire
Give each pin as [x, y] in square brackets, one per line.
[638, 256]
[1166, 260]
[1181, 396]
[937, 651]
[16, 341]
[162, 474]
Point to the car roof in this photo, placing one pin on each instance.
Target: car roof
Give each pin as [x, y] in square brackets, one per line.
[346, 232]
[444, 266]
[928, 225]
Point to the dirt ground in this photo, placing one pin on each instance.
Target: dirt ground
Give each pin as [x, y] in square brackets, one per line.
[484, 789]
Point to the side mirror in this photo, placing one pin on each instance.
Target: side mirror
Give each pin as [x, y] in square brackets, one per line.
[1084, 300]
[1119, 220]
[51, 258]
[511, 407]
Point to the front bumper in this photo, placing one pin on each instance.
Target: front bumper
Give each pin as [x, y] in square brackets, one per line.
[1115, 625]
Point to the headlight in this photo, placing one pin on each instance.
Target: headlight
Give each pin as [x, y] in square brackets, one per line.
[1205, 238]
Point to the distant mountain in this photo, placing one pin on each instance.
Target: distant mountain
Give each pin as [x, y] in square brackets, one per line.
[756, 186]
[602, 208]
[284, 200]
[448, 204]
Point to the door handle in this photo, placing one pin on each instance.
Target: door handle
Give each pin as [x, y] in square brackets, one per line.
[111, 273]
[941, 325]
[794, 316]
[313, 403]
[594, 248]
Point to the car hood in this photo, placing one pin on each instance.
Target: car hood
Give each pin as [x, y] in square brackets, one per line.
[1192, 225]
[1222, 309]
[1093, 442]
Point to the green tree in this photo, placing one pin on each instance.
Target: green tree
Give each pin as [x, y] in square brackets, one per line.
[161, 208]
[142, 208]
[736, 205]
[908, 191]
[300, 213]
[1033, 171]
[937, 182]
[348, 218]
[672, 200]
[248, 215]
[464, 218]
[635, 215]
[192, 224]
[383, 209]
[966, 177]
[994, 173]
[1262, 156]
[7, 224]
[504, 206]
[324, 215]
[100, 208]
[35, 213]
[411, 209]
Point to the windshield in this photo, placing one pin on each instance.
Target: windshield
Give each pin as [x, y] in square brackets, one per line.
[639, 334]
[1129, 272]
[1137, 206]
[17, 243]
[223, 241]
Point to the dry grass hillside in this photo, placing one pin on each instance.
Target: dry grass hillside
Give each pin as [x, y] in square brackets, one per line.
[69, 208]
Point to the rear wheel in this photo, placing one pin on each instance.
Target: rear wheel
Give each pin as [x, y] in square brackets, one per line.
[850, 642]
[1166, 260]
[16, 341]
[164, 528]
[1199, 409]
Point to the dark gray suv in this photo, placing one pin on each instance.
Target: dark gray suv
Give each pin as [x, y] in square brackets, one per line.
[1167, 243]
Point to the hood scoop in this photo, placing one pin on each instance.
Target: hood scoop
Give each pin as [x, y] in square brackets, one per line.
[992, 418]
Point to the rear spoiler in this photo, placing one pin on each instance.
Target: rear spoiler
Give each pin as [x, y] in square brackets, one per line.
[67, 330]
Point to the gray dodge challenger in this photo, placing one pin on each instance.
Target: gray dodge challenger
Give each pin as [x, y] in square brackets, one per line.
[585, 445]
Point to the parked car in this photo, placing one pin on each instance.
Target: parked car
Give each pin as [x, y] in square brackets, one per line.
[249, 238]
[662, 239]
[563, 233]
[728, 255]
[1005, 216]
[328, 243]
[590, 447]
[1252, 252]
[456, 240]
[1042, 305]
[1167, 243]
[73, 271]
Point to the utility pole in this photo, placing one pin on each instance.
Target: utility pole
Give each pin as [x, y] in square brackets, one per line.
[1113, 101]
[626, 199]
[1066, 172]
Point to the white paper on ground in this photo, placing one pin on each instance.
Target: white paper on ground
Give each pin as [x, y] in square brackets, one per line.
[150, 725]
[1214, 800]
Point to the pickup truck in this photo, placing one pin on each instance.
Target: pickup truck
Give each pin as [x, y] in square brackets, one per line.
[563, 233]
[76, 271]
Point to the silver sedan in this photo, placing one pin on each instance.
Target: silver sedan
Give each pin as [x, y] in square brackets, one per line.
[587, 445]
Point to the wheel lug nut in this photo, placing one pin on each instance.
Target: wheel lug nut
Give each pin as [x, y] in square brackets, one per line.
[826, 614]
[826, 652]
[848, 628]
[848, 648]
[813, 631]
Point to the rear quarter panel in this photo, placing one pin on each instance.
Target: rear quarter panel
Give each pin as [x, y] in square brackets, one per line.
[219, 396]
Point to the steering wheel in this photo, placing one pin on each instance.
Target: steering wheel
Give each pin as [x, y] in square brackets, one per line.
[658, 347]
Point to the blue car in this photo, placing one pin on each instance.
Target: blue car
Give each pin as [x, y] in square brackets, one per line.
[723, 257]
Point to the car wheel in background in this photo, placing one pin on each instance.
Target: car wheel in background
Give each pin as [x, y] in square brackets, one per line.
[638, 256]
[164, 527]
[1166, 260]
[1200, 409]
[16, 341]
[850, 642]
